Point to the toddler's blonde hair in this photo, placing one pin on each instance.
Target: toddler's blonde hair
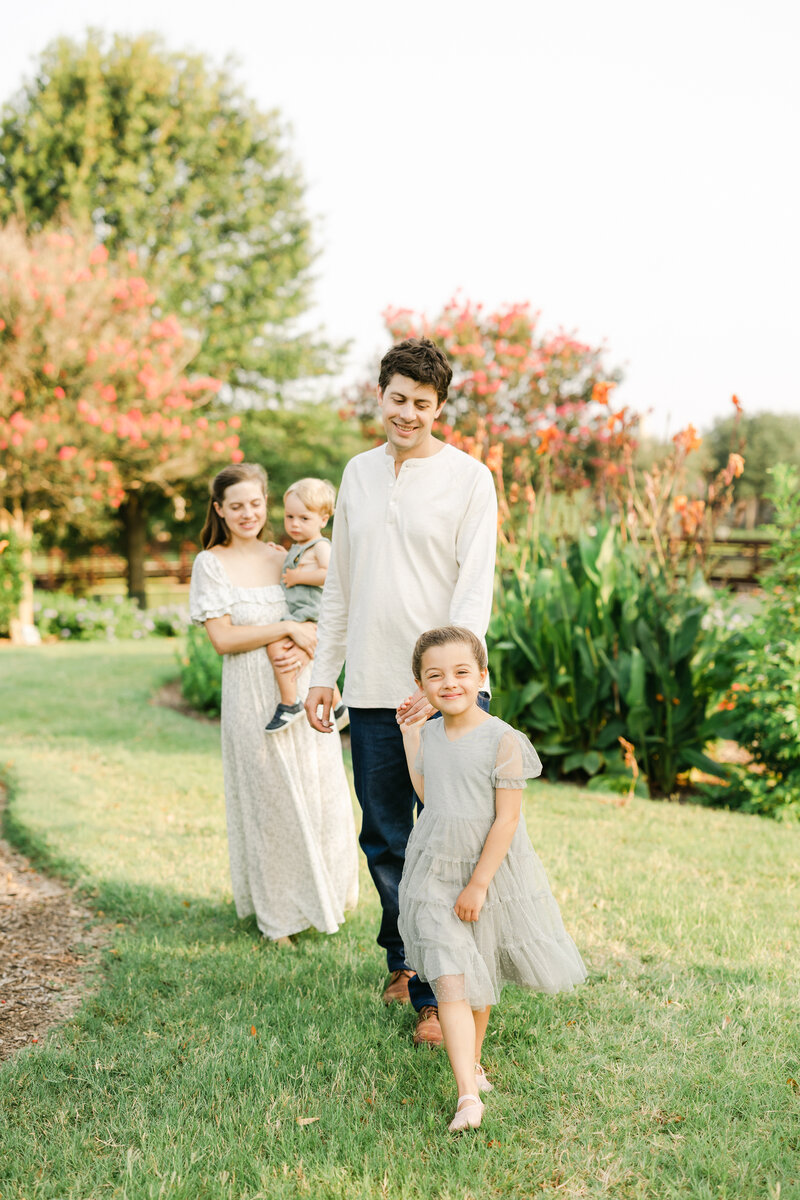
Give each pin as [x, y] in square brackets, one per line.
[318, 495]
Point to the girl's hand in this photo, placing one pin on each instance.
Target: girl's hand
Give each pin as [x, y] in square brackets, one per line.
[469, 904]
[414, 711]
[303, 634]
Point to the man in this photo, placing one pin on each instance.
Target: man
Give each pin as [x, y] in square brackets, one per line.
[413, 549]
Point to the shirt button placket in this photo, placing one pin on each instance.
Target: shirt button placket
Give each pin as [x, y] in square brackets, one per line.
[391, 507]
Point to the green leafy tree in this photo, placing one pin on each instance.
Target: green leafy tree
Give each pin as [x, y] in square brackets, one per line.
[168, 158]
[310, 439]
[766, 438]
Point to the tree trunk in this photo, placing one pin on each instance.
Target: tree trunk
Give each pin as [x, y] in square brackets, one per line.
[134, 519]
[22, 629]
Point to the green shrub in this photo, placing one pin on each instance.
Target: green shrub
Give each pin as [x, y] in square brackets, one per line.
[170, 620]
[10, 579]
[201, 672]
[587, 645]
[60, 615]
[764, 699]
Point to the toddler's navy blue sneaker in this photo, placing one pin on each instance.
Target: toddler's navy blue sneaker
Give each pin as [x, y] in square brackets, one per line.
[284, 715]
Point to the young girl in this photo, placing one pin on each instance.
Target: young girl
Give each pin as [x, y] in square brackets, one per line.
[308, 506]
[476, 910]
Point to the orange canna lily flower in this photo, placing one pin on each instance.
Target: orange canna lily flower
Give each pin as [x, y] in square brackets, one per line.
[688, 439]
[494, 457]
[600, 391]
[546, 436]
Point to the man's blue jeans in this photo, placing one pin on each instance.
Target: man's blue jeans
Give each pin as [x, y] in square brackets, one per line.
[387, 800]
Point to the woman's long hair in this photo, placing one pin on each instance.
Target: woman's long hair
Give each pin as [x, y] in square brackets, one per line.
[215, 532]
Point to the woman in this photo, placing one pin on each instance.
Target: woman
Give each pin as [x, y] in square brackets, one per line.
[291, 835]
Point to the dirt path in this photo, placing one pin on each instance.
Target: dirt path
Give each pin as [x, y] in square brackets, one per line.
[47, 942]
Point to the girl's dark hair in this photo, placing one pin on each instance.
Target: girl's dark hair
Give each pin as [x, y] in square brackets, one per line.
[215, 532]
[419, 359]
[448, 634]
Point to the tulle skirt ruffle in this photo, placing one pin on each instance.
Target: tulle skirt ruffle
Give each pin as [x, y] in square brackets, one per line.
[519, 936]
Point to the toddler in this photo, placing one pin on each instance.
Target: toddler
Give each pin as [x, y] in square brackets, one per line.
[476, 910]
[308, 506]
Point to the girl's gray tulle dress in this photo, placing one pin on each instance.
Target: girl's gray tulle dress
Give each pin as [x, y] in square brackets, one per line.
[519, 936]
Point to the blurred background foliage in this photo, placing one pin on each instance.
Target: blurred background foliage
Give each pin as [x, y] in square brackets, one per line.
[612, 643]
[164, 155]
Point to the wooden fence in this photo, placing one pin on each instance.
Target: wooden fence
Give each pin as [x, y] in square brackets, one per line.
[54, 570]
[736, 562]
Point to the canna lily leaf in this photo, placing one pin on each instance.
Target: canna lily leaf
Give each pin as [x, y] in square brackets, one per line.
[703, 763]
[592, 762]
[609, 733]
[634, 693]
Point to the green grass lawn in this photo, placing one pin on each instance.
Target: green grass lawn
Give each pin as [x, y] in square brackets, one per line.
[210, 1064]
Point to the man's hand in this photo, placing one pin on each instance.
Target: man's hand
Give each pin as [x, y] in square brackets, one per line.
[470, 902]
[320, 697]
[408, 722]
[414, 709]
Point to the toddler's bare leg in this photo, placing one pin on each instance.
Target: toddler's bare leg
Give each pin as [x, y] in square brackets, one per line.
[287, 681]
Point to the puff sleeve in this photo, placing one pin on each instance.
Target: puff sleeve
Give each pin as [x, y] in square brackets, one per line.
[210, 594]
[516, 761]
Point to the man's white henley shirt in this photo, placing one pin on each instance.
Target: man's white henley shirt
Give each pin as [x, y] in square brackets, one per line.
[410, 552]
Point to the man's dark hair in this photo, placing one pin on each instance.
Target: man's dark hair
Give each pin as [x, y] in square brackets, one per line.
[419, 359]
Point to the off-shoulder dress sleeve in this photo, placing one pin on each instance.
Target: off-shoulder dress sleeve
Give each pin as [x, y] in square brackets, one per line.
[516, 761]
[210, 594]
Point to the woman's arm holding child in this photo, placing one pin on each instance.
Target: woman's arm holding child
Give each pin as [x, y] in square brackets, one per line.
[227, 638]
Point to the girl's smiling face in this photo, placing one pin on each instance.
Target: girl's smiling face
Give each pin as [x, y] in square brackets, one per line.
[451, 678]
[243, 509]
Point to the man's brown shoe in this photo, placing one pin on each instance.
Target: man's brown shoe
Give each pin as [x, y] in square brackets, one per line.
[396, 990]
[428, 1031]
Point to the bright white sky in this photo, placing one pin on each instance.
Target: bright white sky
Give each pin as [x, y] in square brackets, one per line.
[629, 168]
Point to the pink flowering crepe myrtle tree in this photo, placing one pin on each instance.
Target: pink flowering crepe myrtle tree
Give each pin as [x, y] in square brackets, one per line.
[96, 409]
[536, 408]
